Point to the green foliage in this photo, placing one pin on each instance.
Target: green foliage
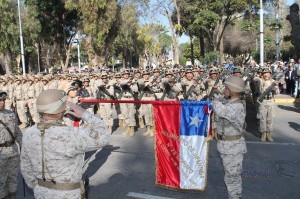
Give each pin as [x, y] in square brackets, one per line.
[210, 58]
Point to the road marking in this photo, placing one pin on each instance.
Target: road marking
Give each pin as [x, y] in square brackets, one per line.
[271, 143]
[145, 196]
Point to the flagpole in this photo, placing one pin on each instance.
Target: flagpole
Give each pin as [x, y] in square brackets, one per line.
[21, 39]
[261, 33]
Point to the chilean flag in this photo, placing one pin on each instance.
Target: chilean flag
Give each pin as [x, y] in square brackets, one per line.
[180, 147]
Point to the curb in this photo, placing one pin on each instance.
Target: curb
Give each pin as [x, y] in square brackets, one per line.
[287, 101]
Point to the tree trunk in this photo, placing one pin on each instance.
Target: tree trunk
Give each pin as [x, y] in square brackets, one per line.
[221, 49]
[8, 63]
[192, 50]
[202, 47]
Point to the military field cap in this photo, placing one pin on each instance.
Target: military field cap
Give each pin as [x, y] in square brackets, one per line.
[196, 69]
[237, 70]
[126, 72]
[136, 71]
[18, 78]
[213, 70]
[86, 79]
[51, 101]
[30, 78]
[3, 95]
[104, 76]
[45, 78]
[201, 69]
[156, 70]
[188, 70]
[266, 70]
[5, 79]
[235, 84]
[169, 72]
[146, 72]
[117, 75]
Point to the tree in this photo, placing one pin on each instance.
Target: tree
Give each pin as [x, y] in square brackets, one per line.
[9, 33]
[100, 22]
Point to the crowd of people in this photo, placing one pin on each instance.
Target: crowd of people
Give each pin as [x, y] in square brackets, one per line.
[42, 99]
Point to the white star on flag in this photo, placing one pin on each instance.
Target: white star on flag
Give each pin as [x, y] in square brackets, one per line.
[195, 120]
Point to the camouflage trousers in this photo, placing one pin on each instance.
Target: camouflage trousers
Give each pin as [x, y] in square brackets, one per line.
[233, 165]
[8, 175]
[266, 114]
[106, 111]
[128, 112]
[146, 110]
[21, 110]
[33, 110]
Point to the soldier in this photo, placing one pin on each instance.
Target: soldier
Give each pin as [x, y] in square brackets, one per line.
[190, 86]
[266, 111]
[31, 100]
[231, 143]
[19, 94]
[105, 91]
[52, 153]
[146, 110]
[9, 151]
[128, 111]
[5, 88]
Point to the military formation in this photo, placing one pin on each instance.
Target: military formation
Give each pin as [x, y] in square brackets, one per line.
[179, 83]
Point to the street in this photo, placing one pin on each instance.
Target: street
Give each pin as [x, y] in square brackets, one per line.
[126, 168]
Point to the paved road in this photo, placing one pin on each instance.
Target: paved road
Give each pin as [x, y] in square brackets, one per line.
[126, 168]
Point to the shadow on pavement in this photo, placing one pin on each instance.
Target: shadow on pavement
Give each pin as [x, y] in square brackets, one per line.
[96, 159]
[296, 108]
[295, 126]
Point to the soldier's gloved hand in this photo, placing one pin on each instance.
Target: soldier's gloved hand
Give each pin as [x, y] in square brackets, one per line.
[75, 110]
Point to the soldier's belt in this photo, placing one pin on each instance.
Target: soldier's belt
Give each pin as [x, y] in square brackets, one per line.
[58, 186]
[229, 137]
[7, 144]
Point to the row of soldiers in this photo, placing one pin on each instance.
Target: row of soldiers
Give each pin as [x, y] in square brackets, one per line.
[193, 83]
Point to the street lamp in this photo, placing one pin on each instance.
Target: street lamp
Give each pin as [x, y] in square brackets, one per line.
[38, 54]
[21, 39]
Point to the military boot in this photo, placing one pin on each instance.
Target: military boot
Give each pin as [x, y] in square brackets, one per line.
[269, 138]
[263, 137]
[148, 132]
[23, 125]
[121, 122]
[127, 131]
[152, 131]
[131, 131]
[141, 123]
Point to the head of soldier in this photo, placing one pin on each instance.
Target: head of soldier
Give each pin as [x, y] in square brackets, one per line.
[51, 104]
[233, 87]
[237, 72]
[266, 73]
[146, 75]
[3, 96]
[86, 82]
[104, 78]
[189, 74]
[137, 74]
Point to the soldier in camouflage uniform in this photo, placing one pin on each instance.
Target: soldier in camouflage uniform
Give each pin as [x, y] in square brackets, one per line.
[266, 111]
[9, 152]
[19, 94]
[146, 110]
[231, 143]
[52, 153]
[31, 100]
[128, 111]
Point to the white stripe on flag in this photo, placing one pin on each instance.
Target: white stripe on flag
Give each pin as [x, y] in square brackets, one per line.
[193, 154]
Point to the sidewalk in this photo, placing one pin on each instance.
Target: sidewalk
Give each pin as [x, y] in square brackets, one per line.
[281, 98]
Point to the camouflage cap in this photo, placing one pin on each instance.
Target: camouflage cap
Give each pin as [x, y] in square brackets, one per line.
[235, 84]
[51, 101]
[3, 95]
[237, 70]
[266, 70]
[213, 70]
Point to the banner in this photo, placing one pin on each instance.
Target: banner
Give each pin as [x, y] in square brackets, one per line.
[180, 146]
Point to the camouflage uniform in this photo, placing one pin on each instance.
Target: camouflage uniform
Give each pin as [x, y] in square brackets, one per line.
[31, 101]
[64, 149]
[19, 94]
[231, 123]
[6, 88]
[9, 156]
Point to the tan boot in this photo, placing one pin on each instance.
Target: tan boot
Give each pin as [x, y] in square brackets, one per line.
[148, 131]
[127, 131]
[131, 131]
[269, 138]
[141, 123]
[152, 131]
[23, 125]
[263, 137]
[121, 122]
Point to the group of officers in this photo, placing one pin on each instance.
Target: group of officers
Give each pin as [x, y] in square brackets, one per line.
[41, 100]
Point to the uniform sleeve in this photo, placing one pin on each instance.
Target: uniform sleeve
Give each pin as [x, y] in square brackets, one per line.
[27, 169]
[94, 136]
[18, 132]
[226, 111]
